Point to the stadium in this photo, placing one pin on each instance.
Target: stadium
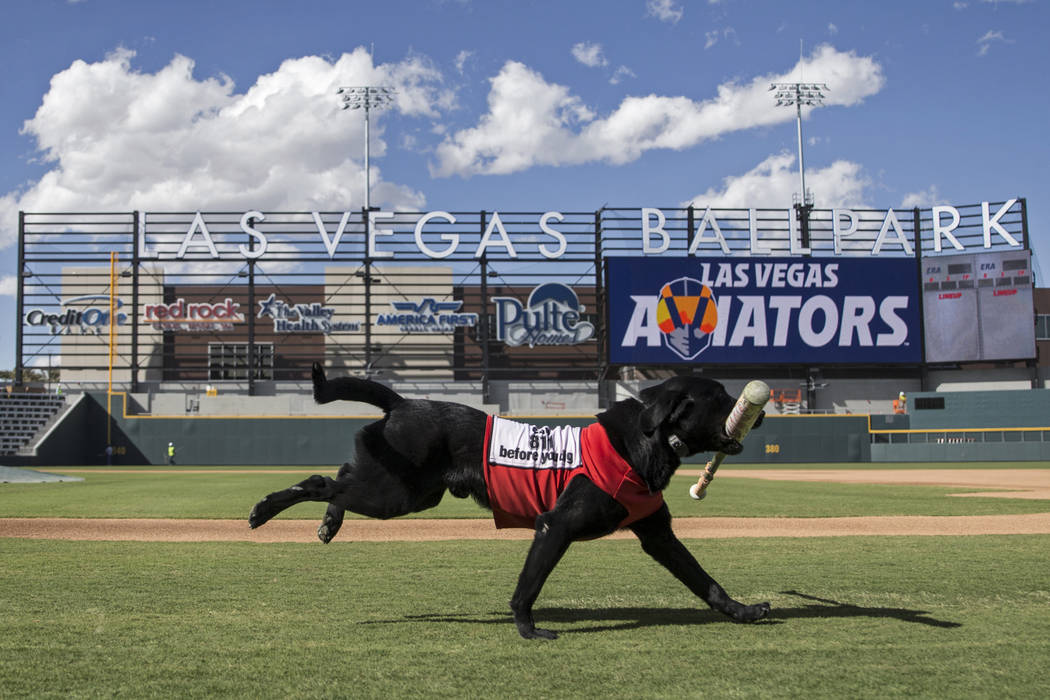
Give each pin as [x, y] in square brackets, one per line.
[219, 316]
[188, 238]
[902, 457]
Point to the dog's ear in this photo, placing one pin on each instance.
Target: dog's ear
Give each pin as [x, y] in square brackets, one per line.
[666, 407]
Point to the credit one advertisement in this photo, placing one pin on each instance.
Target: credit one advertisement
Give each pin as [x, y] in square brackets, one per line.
[763, 311]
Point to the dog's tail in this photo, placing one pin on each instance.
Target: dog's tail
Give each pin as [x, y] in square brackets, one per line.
[353, 389]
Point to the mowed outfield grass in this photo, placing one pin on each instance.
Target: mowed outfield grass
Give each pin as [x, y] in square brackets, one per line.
[852, 616]
[942, 617]
[223, 492]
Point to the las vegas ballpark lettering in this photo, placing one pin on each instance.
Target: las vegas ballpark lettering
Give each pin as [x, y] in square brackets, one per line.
[778, 310]
[552, 244]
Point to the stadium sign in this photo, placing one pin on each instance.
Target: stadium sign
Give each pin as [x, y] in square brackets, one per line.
[551, 243]
[778, 311]
[551, 316]
[198, 317]
[303, 318]
[427, 316]
[89, 320]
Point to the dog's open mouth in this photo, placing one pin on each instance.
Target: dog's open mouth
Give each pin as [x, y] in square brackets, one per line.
[730, 446]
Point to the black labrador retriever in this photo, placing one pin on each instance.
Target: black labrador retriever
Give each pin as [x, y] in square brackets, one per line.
[407, 460]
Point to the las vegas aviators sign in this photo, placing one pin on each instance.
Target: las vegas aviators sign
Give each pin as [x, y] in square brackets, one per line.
[687, 314]
[767, 310]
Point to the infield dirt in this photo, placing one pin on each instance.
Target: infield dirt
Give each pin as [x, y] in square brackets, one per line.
[1007, 483]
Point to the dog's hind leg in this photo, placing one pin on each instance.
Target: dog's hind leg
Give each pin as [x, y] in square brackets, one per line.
[346, 501]
[331, 522]
[659, 542]
[315, 488]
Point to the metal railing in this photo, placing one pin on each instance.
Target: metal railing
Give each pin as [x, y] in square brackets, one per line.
[358, 288]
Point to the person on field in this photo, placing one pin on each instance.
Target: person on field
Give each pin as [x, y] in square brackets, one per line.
[171, 453]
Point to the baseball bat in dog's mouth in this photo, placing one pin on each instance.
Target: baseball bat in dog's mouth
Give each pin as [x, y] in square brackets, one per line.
[745, 412]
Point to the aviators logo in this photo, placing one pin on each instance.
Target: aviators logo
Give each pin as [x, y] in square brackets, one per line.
[687, 315]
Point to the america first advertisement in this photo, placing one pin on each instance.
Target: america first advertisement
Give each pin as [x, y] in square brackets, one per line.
[770, 310]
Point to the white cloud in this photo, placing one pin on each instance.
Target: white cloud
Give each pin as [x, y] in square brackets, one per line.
[832, 29]
[774, 182]
[985, 42]
[925, 198]
[533, 122]
[963, 4]
[528, 122]
[461, 60]
[8, 285]
[712, 37]
[589, 54]
[664, 10]
[45, 361]
[119, 139]
[620, 73]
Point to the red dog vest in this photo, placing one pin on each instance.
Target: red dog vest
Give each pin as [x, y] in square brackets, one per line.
[528, 466]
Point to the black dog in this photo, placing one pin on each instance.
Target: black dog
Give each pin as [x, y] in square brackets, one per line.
[406, 460]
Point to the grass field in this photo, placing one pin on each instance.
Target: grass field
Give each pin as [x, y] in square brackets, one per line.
[852, 616]
[218, 493]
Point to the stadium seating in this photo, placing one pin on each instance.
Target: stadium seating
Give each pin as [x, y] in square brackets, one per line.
[22, 416]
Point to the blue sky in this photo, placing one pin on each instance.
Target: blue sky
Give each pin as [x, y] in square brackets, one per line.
[516, 105]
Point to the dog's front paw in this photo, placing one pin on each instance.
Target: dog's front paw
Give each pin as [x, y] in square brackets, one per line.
[750, 613]
[527, 628]
[261, 513]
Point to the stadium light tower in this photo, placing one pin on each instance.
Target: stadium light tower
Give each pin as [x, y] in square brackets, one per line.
[366, 98]
[795, 95]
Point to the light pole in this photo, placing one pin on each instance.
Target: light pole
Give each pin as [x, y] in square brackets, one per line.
[796, 95]
[366, 98]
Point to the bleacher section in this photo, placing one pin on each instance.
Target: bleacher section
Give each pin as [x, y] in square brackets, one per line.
[22, 416]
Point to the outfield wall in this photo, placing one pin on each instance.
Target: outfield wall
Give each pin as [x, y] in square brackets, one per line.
[966, 426]
[962, 452]
[328, 440]
[1029, 408]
